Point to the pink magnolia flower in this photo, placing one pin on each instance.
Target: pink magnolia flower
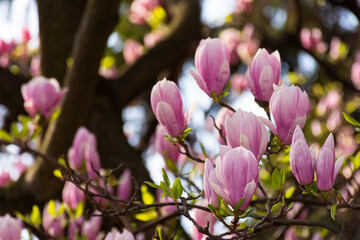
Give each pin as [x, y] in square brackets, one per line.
[72, 196]
[311, 39]
[152, 38]
[243, 6]
[4, 178]
[26, 36]
[263, 72]
[166, 149]
[232, 38]
[202, 218]
[289, 107]
[355, 74]
[10, 228]
[132, 50]
[35, 66]
[141, 9]
[116, 235]
[210, 176]
[42, 95]
[91, 227]
[246, 130]
[53, 225]
[84, 148]
[239, 82]
[212, 63]
[302, 159]
[167, 106]
[3, 47]
[74, 228]
[326, 167]
[238, 174]
[168, 209]
[220, 123]
[125, 185]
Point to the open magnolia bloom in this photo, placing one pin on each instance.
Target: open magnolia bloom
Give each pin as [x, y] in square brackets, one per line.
[237, 173]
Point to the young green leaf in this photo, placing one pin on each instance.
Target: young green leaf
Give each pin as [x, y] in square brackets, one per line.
[247, 212]
[333, 211]
[351, 120]
[79, 209]
[52, 208]
[5, 135]
[239, 204]
[177, 189]
[14, 130]
[171, 165]
[35, 216]
[276, 179]
[152, 184]
[212, 209]
[276, 207]
[290, 206]
[187, 132]
[166, 178]
[165, 188]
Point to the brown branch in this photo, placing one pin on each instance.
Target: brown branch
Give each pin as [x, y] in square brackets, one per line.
[81, 78]
[143, 74]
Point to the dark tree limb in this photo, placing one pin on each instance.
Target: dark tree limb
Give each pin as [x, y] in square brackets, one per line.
[81, 78]
[58, 23]
[143, 74]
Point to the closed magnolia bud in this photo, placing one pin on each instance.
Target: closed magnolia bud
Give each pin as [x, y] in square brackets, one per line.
[42, 95]
[302, 159]
[84, 148]
[264, 71]
[238, 174]
[210, 176]
[289, 107]
[10, 228]
[91, 227]
[212, 63]
[53, 225]
[125, 185]
[116, 235]
[246, 130]
[220, 123]
[326, 167]
[167, 106]
[72, 196]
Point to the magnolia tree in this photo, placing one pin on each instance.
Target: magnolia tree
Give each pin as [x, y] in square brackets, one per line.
[291, 173]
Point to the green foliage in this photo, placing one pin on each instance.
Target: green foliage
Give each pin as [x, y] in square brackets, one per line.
[351, 120]
[177, 189]
[333, 210]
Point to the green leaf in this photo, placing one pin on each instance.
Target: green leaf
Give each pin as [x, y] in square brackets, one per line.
[239, 204]
[57, 173]
[165, 188]
[290, 206]
[177, 188]
[351, 120]
[35, 216]
[166, 178]
[187, 132]
[171, 165]
[356, 160]
[333, 211]
[55, 115]
[52, 208]
[248, 212]
[276, 207]
[79, 209]
[61, 209]
[283, 176]
[203, 150]
[276, 179]
[212, 209]
[5, 135]
[152, 184]
[14, 130]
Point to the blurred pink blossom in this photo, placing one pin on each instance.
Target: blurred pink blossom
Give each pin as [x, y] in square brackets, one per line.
[132, 50]
[141, 9]
[152, 38]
